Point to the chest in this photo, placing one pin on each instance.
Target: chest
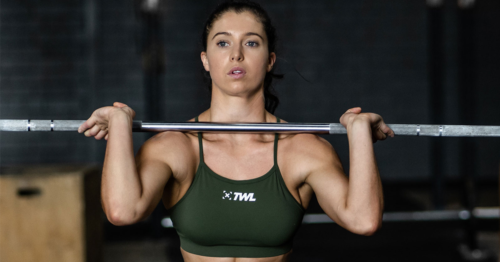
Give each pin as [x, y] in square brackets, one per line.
[239, 161]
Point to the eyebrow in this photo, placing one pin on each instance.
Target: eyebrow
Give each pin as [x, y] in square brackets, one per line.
[229, 34]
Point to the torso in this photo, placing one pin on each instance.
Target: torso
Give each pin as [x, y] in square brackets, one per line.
[188, 257]
[235, 160]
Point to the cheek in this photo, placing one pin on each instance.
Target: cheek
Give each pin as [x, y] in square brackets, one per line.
[215, 61]
[260, 58]
[261, 62]
[215, 67]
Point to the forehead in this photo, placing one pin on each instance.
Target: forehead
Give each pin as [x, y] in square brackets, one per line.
[234, 23]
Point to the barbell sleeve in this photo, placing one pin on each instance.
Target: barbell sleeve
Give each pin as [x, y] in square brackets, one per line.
[316, 128]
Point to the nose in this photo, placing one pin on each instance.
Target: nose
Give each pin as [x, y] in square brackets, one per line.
[237, 55]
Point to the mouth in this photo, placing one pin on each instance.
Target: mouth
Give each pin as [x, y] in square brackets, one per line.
[236, 72]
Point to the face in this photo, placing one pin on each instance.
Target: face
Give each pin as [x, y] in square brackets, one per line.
[237, 55]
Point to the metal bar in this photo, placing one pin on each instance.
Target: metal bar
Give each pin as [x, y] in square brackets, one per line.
[433, 215]
[317, 128]
[240, 127]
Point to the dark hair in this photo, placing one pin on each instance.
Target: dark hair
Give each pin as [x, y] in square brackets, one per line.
[240, 6]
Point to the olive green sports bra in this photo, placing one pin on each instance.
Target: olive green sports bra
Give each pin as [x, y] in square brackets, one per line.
[220, 217]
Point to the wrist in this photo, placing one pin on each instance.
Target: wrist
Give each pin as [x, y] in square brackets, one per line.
[360, 121]
[117, 114]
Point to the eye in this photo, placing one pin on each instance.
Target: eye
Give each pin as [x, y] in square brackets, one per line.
[222, 43]
[252, 44]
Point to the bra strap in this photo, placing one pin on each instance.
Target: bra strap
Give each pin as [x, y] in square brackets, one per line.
[276, 137]
[200, 142]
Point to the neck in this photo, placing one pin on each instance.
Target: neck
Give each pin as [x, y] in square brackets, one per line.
[237, 108]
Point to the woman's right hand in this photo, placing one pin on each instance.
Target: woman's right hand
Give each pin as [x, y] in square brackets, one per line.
[97, 124]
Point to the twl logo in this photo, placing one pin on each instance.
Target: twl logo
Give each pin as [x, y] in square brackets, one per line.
[238, 196]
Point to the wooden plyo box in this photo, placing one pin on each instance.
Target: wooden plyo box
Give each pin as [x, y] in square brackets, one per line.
[50, 214]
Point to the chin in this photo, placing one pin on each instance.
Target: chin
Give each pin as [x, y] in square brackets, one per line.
[238, 89]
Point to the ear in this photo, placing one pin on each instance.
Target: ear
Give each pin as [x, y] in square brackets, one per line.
[204, 60]
[272, 60]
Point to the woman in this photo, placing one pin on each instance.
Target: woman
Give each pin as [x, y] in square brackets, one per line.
[239, 197]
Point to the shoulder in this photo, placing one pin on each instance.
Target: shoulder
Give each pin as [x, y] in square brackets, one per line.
[170, 143]
[307, 145]
[169, 139]
[310, 146]
[168, 147]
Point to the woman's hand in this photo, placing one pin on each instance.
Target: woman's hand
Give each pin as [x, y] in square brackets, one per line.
[379, 129]
[97, 124]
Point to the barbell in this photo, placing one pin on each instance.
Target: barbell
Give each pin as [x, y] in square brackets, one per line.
[315, 128]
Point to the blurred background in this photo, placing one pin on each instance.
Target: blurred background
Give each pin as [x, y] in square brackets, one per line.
[414, 62]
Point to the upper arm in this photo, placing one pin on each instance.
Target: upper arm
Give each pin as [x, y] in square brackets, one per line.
[326, 177]
[152, 161]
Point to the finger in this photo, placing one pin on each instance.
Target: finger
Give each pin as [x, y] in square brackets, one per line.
[106, 137]
[86, 125]
[101, 134]
[93, 131]
[378, 135]
[386, 129]
[381, 135]
[391, 133]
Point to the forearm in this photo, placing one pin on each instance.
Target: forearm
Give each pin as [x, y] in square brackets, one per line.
[364, 197]
[121, 185]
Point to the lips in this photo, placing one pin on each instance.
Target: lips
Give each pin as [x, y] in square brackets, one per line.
[236, 72]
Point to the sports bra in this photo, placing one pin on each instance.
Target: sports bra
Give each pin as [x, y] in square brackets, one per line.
[221, 217]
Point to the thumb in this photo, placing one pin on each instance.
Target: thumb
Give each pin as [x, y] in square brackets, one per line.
[119, 104]
[355, 110]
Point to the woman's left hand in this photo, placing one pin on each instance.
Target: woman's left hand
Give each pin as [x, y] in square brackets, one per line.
[379, 129]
